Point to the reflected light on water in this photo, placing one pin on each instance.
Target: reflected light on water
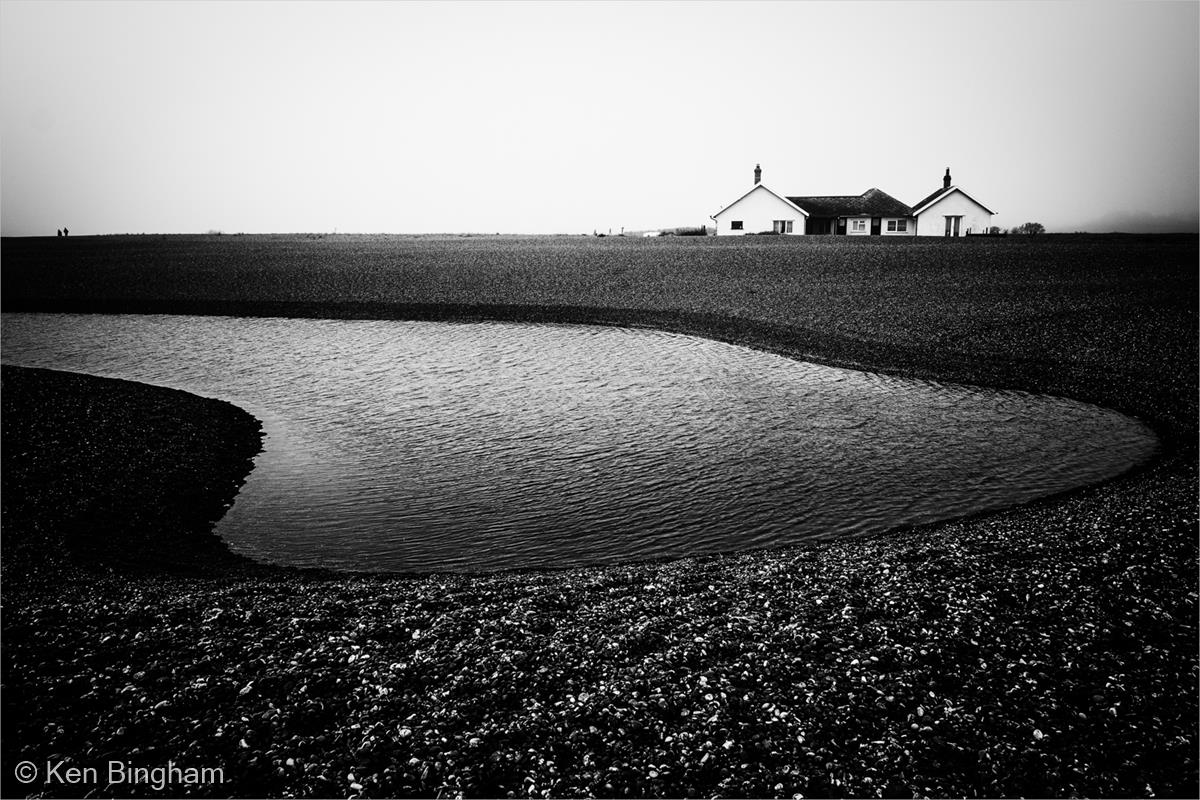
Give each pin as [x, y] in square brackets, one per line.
[419, 446]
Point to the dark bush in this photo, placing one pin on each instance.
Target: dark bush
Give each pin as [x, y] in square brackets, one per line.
[1028, 229]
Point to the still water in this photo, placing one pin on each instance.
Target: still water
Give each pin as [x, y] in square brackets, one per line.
[421, 446]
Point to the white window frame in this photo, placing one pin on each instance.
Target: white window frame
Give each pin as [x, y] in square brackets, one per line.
[897, 226]
[782, 225]
[858, 225]
[735, 225]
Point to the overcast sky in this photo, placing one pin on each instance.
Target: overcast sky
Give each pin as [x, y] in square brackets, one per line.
[539, 117]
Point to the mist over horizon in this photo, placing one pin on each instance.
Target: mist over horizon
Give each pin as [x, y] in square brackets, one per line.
[517, 118]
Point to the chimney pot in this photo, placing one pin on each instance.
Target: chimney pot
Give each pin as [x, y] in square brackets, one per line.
[757, 174]
[946, 180]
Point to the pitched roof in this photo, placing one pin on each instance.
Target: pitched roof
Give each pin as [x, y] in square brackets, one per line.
[756, 187]
[940, 193]
[871, 203]
[927, 200]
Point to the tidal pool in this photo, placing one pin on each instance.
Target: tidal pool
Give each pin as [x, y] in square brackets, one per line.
[426, 446]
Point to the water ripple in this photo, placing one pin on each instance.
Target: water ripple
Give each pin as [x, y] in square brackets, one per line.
[426, 446]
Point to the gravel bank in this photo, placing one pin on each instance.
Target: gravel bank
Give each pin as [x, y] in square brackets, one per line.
[1049, 650]
[105, 474]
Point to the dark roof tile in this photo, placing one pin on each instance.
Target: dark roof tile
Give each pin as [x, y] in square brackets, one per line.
[925, 200]
[871, 203]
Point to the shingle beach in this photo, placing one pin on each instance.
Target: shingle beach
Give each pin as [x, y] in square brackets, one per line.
[1045, 650]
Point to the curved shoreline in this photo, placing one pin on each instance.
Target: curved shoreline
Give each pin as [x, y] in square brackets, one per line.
[104, 474]
[771, 339]
[932, 620]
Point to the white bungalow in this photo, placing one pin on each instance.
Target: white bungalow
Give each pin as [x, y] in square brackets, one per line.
[873, 213]
[759, 211]
[951, 212]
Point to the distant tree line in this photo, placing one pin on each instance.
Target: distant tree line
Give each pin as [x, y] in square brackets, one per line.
[701, 231]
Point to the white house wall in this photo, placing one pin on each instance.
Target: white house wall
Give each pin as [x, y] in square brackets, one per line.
[975, 218]
[757, 211]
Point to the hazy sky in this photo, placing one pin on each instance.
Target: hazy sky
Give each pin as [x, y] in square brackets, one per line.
[538, 117]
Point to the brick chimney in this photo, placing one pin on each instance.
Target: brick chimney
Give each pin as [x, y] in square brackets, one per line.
[757, 174]
[946, 180]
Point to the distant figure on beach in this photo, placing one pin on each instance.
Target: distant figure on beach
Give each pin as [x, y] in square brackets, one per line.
[60, 233]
